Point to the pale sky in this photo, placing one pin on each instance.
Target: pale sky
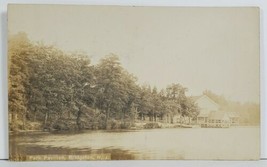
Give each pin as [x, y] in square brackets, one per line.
[201, 48]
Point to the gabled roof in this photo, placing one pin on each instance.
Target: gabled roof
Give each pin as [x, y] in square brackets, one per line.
[196, 98]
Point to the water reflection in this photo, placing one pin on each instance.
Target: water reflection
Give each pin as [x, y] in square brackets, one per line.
[233, 143]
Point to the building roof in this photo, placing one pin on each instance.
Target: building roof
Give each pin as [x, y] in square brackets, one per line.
[196, 98]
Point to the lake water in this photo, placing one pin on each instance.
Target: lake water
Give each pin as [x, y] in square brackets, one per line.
[188, 143]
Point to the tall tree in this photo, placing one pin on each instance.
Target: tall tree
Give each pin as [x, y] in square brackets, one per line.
[19, 48]
[111, 95]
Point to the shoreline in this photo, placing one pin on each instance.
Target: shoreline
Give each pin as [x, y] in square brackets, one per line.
[117, 130]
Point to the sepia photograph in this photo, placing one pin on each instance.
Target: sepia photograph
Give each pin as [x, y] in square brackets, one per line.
[133, 83]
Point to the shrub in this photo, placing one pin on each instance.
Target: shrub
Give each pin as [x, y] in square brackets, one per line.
[113, 124]
[151, 125]
[101, 119]
[126, 125]
[60, 126]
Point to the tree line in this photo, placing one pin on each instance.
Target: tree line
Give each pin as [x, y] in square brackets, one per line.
[51, 89]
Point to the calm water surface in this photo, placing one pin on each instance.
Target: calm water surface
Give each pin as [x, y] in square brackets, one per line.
[196, 143]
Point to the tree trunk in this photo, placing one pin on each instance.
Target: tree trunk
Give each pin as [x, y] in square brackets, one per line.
[24, 121]
[68, 114]
[78, 120]
[153, 116]
[189, 120]
[34, 115]
[123, 116]
[107, 117]
[46, 117]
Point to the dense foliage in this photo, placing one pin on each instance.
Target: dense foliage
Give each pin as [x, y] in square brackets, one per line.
[53, 90]
[50, 89]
